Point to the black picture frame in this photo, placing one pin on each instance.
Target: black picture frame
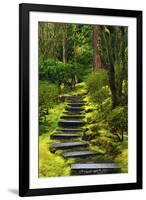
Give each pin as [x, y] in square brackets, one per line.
[24, 10]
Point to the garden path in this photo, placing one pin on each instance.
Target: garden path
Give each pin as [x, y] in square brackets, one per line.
[70, 130]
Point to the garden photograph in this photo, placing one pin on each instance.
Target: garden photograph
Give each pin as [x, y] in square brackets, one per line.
[83, 99]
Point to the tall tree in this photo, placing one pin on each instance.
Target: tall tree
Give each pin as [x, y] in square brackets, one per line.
[124, 59]
[96, 56]
[113, 50]
[64, 38]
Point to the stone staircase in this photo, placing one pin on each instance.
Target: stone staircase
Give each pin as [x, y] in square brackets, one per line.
[70, 130]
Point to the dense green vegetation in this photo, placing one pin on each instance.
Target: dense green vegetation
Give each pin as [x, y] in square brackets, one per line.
[91, 60]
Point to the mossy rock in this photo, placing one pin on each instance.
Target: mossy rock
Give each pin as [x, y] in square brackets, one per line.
[92, 115]
[111, 148]
[89, 135]
[52, 149]
[94, 127]
[62, 98]
[89, 110]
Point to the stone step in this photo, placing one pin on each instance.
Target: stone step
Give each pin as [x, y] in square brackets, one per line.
[80, 154]
[72, 117]
[73, 112]
[94, 168]
[65, 135]
[76, 104]
[74, 108]
[70, 123]
[65, 145]
[76, 101]
[70, 129]
[75, 97]
[69, 132]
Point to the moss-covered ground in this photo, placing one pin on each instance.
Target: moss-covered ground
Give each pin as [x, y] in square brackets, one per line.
[96, 132]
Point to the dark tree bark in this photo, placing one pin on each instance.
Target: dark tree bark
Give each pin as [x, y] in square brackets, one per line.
[110, 64]
[123, 62]
[96, 56]
[64, 36]
[111, 72]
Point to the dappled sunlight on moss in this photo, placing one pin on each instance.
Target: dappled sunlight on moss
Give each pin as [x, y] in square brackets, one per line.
[122, 160]
[51, 120]
[51, 164]
[96, 132]
[80, 89]
[101, 138]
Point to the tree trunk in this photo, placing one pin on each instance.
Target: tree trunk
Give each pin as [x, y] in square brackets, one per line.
[64, 50]
[111, 71]
[122, 139]
[96, 56]
[110, 66]
[123, 62]
[64, 43]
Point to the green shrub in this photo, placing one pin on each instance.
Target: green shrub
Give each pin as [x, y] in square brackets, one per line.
[48, 94]
[99, 96]
[94, 127]
[97, 80]
[109, 147]
[118, 121]
[91, 113]
[107, 105]
[48, 97]
[67, 74]
[122, 160]
[43, 68]
[84, 56]
[97, 85]
[48, 123]
[62, 73]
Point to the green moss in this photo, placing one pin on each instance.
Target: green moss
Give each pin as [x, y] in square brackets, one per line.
[80, 89]
[89, 108]
[89, 135]
[51, 120]
[50, 164]
[94, 127]
[122, 160]
[96, 131]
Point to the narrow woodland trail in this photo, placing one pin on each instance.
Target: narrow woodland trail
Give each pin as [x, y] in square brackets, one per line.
[69, 136]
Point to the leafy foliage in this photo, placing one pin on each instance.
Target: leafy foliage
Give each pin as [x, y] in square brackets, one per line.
[99, 90]
[118, 121]
[122, 160]
[48, 97]
[49, 121]
[62, 73]
[48, 94]
[96, 80]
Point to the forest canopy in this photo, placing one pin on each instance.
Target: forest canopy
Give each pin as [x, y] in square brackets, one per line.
[69, 52]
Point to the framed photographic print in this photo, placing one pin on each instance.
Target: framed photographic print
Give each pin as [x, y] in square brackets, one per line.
[80, 99]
